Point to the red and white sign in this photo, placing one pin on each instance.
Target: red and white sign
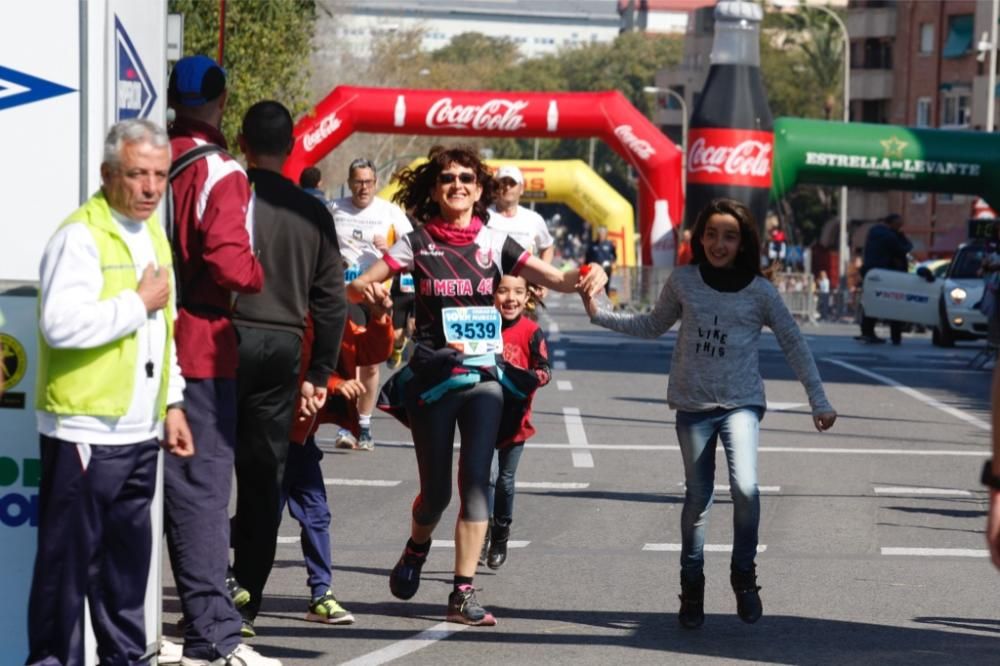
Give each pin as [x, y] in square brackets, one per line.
[642, 148]
[605, 115]
[496, 114]
[326, 127]
[730, 157]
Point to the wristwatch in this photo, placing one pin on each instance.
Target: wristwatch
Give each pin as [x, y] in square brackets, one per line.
[989, 479]
[177, 405]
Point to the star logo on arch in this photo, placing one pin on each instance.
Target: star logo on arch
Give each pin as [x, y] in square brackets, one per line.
[894, 146]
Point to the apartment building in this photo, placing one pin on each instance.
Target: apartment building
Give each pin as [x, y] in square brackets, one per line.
[538, 27]
[919, 64]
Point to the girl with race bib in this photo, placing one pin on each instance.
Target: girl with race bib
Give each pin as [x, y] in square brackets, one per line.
[722, 301]
[456, 375]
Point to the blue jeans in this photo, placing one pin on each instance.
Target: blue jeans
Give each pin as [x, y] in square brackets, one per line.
[697, 433]
[304, 492]
[502, 473]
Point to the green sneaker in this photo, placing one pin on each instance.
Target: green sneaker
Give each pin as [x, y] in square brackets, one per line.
[326, 610]
[246, 628]
[239, 594]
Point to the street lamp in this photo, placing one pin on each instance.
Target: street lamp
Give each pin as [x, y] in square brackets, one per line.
[843, 249]
[655, 90]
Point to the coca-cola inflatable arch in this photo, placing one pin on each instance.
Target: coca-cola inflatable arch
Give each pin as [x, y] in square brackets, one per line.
[606, 115]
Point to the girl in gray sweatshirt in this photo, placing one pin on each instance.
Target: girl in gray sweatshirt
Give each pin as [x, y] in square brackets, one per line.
[723, 301]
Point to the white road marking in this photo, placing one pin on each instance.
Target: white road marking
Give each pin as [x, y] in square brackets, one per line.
[553, 331]
[984, 453]
[558, 365]
[908, 490]
[446, 543]
[783, 406]
[937, 552]
[913, 393]
[577, 438]
[724, 488]
[551, 485]
[559, 353]
[400, 649]
[288, 539]
[564, 385]
[378, 483]
[709, 547]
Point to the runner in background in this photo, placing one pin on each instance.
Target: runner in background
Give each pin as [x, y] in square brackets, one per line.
[365, 225]
[522, 224]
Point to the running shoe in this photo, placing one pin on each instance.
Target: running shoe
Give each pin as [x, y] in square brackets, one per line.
[464, 608]
[345, 440]
[365, 441]
[239, 594]
[170, 653]
[326, 610]
[405, 577]
[395, 359]
[246, 628]
[243, 655]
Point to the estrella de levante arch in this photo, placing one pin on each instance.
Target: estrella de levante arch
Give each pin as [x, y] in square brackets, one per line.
[605, 115]
[885, 157]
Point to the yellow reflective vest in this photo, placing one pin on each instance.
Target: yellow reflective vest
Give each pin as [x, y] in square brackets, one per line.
[100, 381]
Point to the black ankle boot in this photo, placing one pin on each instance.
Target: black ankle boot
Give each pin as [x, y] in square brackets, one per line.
[692, 613]
[498, 546]
[748, 604]
[484, 553]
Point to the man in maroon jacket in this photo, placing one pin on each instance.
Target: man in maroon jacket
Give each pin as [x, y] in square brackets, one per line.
[212, 238]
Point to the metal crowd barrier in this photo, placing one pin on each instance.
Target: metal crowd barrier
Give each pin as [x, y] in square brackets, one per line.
[636, 288]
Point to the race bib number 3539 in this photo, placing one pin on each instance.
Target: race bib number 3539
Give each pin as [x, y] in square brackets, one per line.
[473, 330]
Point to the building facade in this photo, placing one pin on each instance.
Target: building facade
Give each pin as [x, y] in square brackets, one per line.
[537, 27]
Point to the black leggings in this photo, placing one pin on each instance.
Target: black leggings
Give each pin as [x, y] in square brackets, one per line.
[477, 412]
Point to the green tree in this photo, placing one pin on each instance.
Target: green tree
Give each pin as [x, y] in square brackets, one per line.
[266, 50]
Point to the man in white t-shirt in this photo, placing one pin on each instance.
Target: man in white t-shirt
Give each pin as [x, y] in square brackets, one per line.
[522, 224]
[366, 227]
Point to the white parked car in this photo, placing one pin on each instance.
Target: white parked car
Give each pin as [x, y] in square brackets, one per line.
[948, 305]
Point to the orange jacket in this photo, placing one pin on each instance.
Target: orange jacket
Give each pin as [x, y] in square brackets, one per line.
[361, 345]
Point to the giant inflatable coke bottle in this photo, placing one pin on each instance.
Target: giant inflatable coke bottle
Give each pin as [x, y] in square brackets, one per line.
[730, 143]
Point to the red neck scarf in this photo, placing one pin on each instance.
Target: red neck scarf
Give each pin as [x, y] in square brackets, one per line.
[450, 234]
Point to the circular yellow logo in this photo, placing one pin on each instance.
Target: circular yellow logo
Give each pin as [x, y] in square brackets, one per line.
[13, 361]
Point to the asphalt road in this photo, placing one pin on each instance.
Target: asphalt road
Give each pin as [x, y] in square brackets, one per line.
[871, 533]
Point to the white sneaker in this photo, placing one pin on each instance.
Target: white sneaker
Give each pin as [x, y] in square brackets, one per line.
[243, 655]
[345, 440]
[170, 653]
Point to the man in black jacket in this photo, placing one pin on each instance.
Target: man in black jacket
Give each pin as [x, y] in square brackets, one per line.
[885, 247]
[298, 250]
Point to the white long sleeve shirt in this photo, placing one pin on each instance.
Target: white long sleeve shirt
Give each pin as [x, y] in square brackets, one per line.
[73, 317]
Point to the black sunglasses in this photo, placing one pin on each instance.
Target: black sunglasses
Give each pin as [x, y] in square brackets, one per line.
[465, 178]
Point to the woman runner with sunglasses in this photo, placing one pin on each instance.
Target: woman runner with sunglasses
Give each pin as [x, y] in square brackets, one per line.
[456, 262]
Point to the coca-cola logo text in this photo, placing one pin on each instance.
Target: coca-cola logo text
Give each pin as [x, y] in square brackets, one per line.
[326, 127]
[748, 158]
[502, 115]
[640, 147]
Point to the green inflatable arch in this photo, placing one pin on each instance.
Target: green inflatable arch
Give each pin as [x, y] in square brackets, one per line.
[885, 157]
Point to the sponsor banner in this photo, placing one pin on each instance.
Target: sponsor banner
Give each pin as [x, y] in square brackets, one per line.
[497, 115]
[885, 157]
[738, 157]
[643, 149]
[20, 469]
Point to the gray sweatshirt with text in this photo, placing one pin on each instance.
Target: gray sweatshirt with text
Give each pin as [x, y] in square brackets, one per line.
[715, 361]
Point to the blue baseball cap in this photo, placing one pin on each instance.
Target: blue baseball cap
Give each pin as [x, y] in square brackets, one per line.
[196, 80]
